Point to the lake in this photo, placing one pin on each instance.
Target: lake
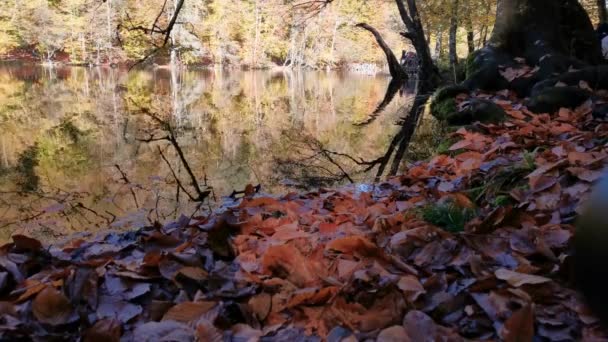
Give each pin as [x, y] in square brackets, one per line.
[95, 148]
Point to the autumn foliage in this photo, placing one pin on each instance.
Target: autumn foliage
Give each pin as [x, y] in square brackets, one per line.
[359, 262]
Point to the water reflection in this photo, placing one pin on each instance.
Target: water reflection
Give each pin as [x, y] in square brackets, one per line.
[77, 150]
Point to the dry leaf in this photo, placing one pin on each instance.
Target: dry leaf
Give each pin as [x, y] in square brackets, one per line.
[188, 311]
[520, 326]
[517, 279]
[52, 307]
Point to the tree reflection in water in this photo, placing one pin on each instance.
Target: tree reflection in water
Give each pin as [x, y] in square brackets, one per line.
[76, 152]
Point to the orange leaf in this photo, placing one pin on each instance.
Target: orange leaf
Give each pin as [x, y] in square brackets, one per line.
[354, 244]
[32, 288]
[312, 296]
[286, 261]
[260, 305]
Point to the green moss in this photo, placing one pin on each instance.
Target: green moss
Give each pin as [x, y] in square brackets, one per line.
[444, 146]
[502, 200]
[448, 216]
[471, 65]
[481, 110]
[443, 102]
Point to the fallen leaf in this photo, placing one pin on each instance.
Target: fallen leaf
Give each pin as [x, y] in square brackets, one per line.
[163, 331]
[288, 262]
[517, 279]
[188, 311]
[105, 330]
[27, 243]
[520, 326]
[396, 333]
[260, 305]
[52, 307]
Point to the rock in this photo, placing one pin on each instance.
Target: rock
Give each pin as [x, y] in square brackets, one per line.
[552, 99]
[482, 69]
[443, 102]
[600, 111]
[484, 111]
[591, 253]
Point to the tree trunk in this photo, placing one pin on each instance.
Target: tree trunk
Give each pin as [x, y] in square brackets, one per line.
[471, 41]
[553, 35]
[428, 74]
[549, 37]
[254, 57]
[452, 40]
[439, 44]
[394, 66]
[601, 9]
[470, 31]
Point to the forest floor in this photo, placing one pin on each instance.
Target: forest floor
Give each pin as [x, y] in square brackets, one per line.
[474, 244]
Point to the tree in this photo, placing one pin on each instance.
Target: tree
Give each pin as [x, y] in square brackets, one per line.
[452, 42]
[549, 37]
[602, 14]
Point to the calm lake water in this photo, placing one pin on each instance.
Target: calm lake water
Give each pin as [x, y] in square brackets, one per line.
[84, 147]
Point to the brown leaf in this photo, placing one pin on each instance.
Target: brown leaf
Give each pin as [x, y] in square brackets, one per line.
[517, 279]
[546, 168]
[520, 326]
[163, 331]
[411, 287]
[105, 330]
[188, 311]
[585, 174]
[354, 244]
[260, 305]
[206, 331]
[52, 307]
[346, 267]
[421, 327]
[286, 261]
[194, 273]
[32, 288]
[396, 333]
[7, 308]
[243, 332]
[115, 307]
[312, 296]
[26, 243]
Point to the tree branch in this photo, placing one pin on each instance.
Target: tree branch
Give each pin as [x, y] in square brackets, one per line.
[394, 66]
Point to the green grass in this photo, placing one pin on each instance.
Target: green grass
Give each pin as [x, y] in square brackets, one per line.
[448, 216]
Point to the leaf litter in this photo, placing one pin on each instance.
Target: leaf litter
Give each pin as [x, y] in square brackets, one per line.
[342, 264]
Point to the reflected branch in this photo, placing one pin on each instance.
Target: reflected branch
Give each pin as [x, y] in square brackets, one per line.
[128, 183]
[393, 88]
[201, 195]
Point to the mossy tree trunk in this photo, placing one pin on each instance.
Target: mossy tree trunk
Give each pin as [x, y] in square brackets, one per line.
[551, 37]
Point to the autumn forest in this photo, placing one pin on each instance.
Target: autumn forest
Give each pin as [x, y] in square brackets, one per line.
[303, 170]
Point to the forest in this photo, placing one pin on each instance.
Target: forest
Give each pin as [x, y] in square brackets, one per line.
[306, 170]
[238, 33]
